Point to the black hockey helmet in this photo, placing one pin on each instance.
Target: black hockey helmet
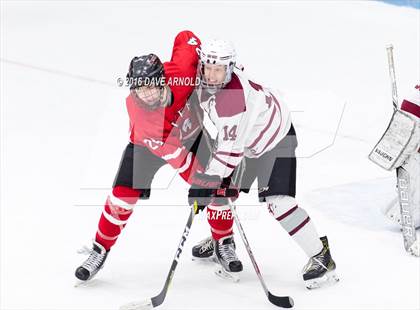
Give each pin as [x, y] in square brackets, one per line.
[145, 70]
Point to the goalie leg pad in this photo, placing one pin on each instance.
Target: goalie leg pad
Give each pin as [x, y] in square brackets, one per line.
[411, 168]
[408, 198]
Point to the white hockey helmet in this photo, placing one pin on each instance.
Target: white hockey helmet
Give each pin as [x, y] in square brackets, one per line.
[216, 52]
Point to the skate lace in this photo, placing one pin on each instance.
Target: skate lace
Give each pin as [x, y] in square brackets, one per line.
[94, 261]
[227, 253]
[206, 244]
[313, 263]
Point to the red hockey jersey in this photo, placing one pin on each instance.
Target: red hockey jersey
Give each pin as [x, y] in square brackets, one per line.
[161, 130]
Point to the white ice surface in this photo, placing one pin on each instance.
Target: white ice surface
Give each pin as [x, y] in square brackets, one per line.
[64, 126]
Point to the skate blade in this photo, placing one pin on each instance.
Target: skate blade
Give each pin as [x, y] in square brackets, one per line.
[226, 275]
[210, 259]
[329, 278]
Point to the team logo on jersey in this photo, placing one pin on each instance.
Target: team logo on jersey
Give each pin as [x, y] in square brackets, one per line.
[270, 208]
[192, 41]
[187, 125]
[152, 143]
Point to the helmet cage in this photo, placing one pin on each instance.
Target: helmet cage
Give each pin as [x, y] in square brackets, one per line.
[143, 92]
[217, 52]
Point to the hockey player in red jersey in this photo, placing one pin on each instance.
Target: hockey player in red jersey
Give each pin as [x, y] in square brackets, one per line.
[163, 129]
[254, 127]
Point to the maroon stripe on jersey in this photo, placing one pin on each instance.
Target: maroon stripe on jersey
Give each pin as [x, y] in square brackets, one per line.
[287, 213]
[230, 154]
[264, 130]
[278, 129]
[291, 233]
[276, 103]
[270, 141]
[255, 86]
[410, 107]
[223, 162]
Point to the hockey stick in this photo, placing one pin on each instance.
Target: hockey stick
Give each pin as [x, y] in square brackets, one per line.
[280, 301]
[160, 298]
[391, 69]
[403, 177]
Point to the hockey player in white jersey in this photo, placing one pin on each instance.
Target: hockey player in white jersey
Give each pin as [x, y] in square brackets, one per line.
[254, 126]
[399, 149]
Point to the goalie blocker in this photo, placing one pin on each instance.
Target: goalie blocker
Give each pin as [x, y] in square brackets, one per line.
[400, 140]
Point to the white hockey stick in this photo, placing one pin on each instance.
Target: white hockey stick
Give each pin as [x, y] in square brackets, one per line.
[391, 69]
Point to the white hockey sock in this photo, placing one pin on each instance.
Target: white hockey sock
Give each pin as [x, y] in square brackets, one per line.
[308, 239]
[296, 222]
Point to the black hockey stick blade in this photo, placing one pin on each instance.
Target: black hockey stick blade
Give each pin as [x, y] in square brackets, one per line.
[281, 301]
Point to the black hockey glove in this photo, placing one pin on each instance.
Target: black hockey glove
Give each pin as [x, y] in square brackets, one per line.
[207, 189]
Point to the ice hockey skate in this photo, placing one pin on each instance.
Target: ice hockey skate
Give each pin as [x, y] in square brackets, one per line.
[204, 251]
[91, 266]
[320, 268]
[228, 264]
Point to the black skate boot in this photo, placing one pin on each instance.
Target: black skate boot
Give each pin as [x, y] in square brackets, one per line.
[230, 265]
[204, 250]
[93, 263]
[320, 268]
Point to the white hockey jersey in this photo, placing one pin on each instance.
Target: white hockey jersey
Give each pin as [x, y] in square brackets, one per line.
[250, 121]
[411, 103]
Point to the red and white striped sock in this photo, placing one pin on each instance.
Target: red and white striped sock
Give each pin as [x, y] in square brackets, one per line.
[118, 208]
[220, 220]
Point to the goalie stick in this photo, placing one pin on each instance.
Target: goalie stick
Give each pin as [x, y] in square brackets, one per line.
[160, 298]
[403, 177]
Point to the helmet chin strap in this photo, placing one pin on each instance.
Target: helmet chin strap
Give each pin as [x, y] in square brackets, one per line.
[211, 89]
[214, 88]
